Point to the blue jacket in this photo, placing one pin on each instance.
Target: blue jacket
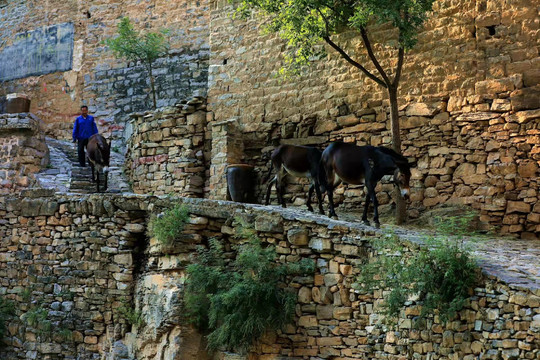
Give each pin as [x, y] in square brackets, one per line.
[84, 128]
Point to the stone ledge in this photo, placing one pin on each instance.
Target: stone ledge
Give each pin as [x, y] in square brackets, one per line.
[19, 122]
[512, 262]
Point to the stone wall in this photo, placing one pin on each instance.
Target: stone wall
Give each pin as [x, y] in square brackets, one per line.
[332, 320]
[74, 258]
[23, 151]
[470, 81]
[97, 78]
[82, 258]
[167, 152]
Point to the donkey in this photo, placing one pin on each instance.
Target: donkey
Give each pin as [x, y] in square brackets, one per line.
[299, 161]
[363, 164]
[98, 153]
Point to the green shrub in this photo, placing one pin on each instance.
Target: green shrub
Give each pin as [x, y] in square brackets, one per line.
[170, 225]
[36, 317]
[131, 315]
[440, 274]
[236, 303]
[7, 309]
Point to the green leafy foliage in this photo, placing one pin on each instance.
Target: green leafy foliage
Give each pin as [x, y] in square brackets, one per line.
[440, 274]
[169, 226]
[134, 46]
[7, 309]
[131, 315]
[36, 317]
[64, 334]
[305, 24]
[237, 302]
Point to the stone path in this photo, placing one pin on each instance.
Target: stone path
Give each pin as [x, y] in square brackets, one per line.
[64, 175]
[514, 261]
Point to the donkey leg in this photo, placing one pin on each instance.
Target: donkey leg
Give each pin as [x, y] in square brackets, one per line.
[105, 180]
[310, 194]
[281, 200]
[366, 207]
[269, 190]
[319, 196]
[97, 179]
[332, 212]
[279, 187]
[92, 167]
[371, 193]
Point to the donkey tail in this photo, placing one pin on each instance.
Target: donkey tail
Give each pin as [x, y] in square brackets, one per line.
[267, 177]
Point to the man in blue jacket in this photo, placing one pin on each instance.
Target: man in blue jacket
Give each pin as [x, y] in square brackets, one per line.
[83, 128]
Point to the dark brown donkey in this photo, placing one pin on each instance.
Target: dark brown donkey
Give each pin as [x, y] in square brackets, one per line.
[363, 164]
[299, 161]
[98, 153]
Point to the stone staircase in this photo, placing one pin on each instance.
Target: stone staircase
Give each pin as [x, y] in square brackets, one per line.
[65, 175]
[81, 179]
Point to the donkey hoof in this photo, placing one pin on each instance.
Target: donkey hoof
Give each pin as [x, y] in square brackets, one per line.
[377, 225]
[310, 208]
[366, 222]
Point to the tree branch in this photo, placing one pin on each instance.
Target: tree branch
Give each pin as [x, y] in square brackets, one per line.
[367, 44]
[354, 63]
[401, 53]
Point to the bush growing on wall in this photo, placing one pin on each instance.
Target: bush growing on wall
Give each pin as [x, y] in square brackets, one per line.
[440, 274]
[7, 309]
[169, 225]
[236, 303]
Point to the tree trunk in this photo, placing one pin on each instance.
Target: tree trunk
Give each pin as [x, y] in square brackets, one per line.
[153, 86]
[401, 208]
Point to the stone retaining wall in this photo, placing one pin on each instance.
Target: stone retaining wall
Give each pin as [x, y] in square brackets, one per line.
[23, 151]
[469, 106]
[73, 258]
[332, 320]
[81, 259]
[166, 153]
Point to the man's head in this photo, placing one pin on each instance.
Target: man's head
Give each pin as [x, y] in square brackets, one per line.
[84, 110]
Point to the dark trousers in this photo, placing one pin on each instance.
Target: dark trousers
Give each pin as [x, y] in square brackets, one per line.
[81, 145]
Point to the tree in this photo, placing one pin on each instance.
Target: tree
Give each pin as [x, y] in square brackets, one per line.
[133, 46]
[306, 24]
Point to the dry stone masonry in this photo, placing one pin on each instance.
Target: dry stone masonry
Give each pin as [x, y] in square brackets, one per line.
[469, 107]
[23, 151]
[166, 152]
[83, 258]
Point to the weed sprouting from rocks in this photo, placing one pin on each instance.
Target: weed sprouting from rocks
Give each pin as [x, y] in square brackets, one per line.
[170, 225]
[439, 274]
